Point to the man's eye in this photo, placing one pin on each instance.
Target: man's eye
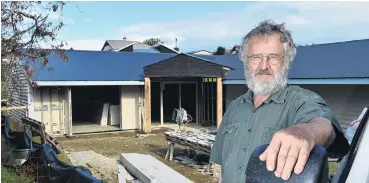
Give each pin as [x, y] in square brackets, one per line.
[274, 56]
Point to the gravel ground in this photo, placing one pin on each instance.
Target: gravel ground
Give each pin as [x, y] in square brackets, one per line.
[111, 145]
[101, 167]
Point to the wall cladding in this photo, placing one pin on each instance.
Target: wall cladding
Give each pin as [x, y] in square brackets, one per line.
[48, 107]
[18, 90]
[184, 66]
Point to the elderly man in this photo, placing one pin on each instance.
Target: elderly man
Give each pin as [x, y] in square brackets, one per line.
[292, 120]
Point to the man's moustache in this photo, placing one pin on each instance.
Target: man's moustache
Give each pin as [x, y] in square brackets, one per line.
[264, 72]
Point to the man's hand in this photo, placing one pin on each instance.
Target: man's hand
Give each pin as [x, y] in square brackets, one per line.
[289, 150]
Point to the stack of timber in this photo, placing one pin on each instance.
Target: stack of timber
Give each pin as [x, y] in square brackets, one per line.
[38, 128]
[147, 169]
[201, 142]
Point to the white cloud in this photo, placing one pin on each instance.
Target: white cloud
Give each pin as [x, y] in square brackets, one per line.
[85, 44]
[52, 16]
[310, 22]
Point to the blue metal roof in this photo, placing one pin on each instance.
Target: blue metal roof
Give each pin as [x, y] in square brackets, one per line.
[333, 60]
[98, 66]
[325, 61]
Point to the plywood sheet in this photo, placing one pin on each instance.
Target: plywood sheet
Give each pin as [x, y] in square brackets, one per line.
[36, 113]
[129, 107]
[148, 169]
[114, 115]
[56, 114]
[46, 110]
[105, 115]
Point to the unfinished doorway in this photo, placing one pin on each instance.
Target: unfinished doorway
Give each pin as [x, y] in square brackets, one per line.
[188, 99]
[155, 102]
[179, 94]
[170, 100]
[95, 109]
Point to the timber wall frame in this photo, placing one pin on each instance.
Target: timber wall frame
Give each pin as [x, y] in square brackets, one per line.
[183, 66]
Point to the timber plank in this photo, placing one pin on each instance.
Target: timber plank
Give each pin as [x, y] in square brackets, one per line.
[148, 169]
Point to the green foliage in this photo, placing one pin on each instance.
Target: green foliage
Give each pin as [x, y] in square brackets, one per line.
[9, 175]
[220, 51]
[152, 41]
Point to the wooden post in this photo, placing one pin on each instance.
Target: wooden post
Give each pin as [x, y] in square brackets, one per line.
[147, 125]
[219, 101]
[51, 111]
[161, 105]
[121, 107]
[60, 113]
[42, 104]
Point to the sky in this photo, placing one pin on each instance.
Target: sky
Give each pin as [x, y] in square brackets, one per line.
[207, 25]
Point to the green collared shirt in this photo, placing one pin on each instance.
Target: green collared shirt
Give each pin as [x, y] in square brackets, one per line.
[244, 127]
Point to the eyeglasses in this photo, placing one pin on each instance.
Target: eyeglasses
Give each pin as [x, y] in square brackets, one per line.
[273, 59]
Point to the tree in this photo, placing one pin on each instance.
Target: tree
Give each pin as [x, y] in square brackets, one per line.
[220, 51]
[29, 32]
[235, 49]
[26, 28]
[152, 41]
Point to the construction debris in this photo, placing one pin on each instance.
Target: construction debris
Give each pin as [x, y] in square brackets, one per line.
[199, 142]
[148, 169]
[123, 175]
[144, 135]
[192, 139]
[101, 166]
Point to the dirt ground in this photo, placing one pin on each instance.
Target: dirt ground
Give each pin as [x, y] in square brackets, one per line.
[111, 145]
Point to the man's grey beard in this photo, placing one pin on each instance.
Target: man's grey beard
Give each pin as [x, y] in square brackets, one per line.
[267, 88]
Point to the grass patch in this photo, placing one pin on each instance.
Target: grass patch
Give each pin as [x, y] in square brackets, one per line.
[9, 175]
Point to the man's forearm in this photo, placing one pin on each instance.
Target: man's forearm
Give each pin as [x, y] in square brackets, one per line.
[321, 129]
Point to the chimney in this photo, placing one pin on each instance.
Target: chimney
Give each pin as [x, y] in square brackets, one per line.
[176, 48]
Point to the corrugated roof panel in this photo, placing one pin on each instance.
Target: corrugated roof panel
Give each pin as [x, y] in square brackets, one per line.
[98, 66]
[334, 60]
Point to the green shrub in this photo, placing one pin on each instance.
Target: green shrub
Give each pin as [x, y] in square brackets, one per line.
[9, 175]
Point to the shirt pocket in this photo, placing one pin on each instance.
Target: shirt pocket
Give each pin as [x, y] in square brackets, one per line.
[267, 134]
[230, 135]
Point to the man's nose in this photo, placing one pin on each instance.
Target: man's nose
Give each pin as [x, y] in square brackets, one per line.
[264, 64]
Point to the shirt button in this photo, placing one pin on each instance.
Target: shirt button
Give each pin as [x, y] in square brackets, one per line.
[249, 130]
[239, 167]
[244, 149]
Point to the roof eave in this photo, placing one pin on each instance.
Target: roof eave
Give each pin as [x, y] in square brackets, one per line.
[320, 81]
[159, 44]
[88, 83]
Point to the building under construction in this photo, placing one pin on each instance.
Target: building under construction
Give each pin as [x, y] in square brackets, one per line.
[134, 89]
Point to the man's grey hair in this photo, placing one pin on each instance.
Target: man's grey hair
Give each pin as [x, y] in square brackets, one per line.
[268, 28]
